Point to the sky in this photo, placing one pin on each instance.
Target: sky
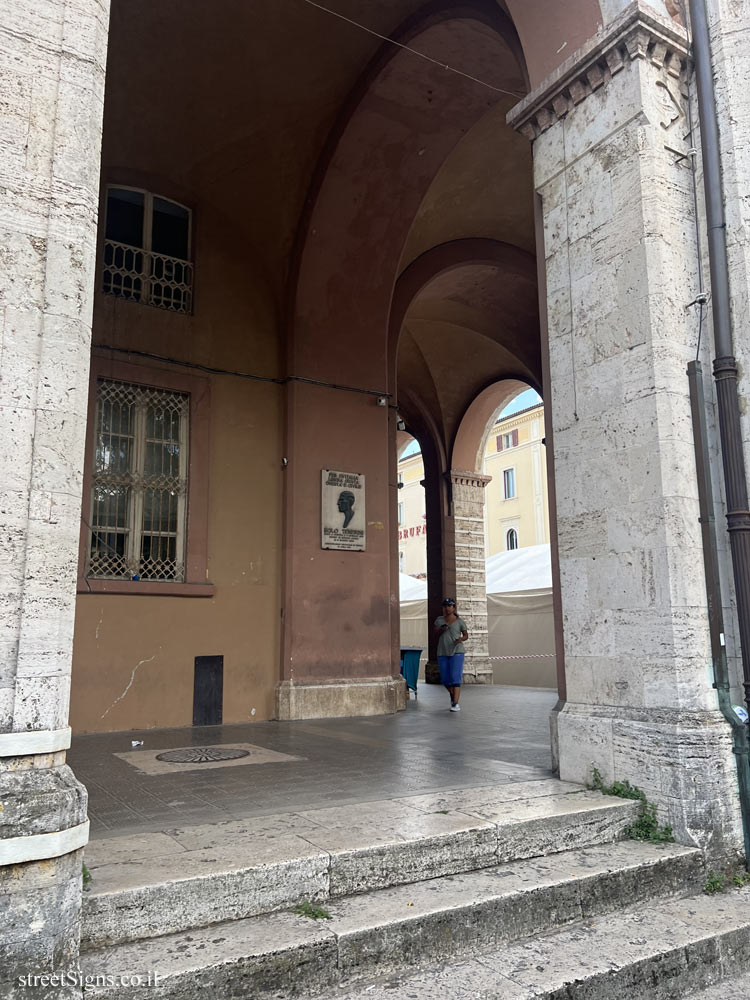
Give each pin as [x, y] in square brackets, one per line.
[527, 398]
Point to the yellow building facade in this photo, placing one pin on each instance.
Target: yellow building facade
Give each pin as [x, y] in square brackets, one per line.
[412, 521]
[516, 509]
[516, 505]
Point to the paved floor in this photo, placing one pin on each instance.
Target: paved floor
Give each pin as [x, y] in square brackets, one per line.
[502, 735]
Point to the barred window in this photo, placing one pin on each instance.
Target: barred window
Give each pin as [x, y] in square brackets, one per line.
[147, 250]
[139, 483]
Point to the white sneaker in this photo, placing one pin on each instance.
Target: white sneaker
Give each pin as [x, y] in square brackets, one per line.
[455, 708]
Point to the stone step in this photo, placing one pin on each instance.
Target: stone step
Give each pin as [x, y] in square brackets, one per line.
[284, 954]
[155, 884]
[735, 987]
[692, 948]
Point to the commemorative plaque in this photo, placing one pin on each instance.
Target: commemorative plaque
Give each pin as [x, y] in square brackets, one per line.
[342, 511]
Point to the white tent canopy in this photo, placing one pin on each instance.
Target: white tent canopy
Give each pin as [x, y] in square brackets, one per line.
[519, 616]
[519, 569]
[411, 589]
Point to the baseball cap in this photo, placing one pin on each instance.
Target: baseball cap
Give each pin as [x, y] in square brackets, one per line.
[448, 600]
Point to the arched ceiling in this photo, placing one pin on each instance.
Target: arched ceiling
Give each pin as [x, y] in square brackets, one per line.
[234, 99]
[288, 126]
[469, 326]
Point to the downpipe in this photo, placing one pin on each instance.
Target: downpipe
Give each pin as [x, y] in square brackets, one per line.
[740, 741]
[725, 369]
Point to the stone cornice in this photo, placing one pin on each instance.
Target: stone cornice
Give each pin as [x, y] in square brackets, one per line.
[638, 33]
[461, 478]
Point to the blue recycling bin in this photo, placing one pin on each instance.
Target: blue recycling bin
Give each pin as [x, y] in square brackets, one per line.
[410, 665]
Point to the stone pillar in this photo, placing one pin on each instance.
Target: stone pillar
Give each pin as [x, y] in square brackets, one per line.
[50, 139]
[467, 490]
[619, 242]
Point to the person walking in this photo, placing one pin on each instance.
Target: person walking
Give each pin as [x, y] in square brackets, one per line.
[452, 634]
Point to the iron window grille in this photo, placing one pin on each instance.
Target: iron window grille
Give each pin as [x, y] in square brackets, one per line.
[139, 484]
[147, 250]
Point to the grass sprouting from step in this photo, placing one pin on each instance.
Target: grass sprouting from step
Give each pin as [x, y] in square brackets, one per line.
[308, 909]
[647, 826]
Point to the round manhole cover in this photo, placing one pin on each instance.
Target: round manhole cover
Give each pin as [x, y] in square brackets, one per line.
[201, 755]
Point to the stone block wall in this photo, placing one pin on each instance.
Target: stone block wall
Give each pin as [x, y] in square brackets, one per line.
[609, 136]
[467, 491]
[53, 59]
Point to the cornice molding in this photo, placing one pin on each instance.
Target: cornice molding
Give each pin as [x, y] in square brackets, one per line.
[638, 33]
[461, 478]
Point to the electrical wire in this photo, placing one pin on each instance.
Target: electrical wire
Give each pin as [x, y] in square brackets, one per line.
[422, 55]
[209, 370]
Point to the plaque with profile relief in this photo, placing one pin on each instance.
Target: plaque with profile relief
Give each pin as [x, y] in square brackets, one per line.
[342, 511]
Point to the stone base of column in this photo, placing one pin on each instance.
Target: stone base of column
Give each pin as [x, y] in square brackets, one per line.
[337, 698]
[43, 815]
[477, 670]
[682, 760]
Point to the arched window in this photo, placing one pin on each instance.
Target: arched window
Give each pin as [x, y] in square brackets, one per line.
[511, 539]
[147, 249]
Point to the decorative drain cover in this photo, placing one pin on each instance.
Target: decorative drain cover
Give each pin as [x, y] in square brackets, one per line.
[201, 755]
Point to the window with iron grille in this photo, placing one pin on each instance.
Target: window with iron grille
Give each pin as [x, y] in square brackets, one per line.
[139, 483]
[147, 250]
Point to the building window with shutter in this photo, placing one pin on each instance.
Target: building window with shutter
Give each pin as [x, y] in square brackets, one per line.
[508, 440]
[511, 539]
[138, 502]
[147, 249]
[509, 484]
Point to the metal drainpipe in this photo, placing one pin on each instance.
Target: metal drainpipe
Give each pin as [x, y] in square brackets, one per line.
[740, 742]
[725, 365]
[725, 375]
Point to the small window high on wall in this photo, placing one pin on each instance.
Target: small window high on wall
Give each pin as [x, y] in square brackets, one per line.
[147, 250]
[511, 539]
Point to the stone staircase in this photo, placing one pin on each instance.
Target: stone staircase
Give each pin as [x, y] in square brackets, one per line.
[515, 891]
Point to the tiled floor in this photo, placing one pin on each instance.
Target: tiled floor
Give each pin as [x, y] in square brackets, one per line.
[501, 735]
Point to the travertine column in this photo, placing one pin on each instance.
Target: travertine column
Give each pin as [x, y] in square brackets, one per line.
[467, 491]
[52, 57]
[609, 143]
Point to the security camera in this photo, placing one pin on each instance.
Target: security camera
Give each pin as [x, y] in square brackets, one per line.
[382, 401]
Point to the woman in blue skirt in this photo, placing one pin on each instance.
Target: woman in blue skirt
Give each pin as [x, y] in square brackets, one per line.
[452, 635]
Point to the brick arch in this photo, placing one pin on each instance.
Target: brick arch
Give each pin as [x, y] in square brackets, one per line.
[476, 424]
[400, 122]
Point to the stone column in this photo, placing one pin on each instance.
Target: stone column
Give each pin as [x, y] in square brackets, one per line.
[53, 59]
[610, 169]
[467, 490]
